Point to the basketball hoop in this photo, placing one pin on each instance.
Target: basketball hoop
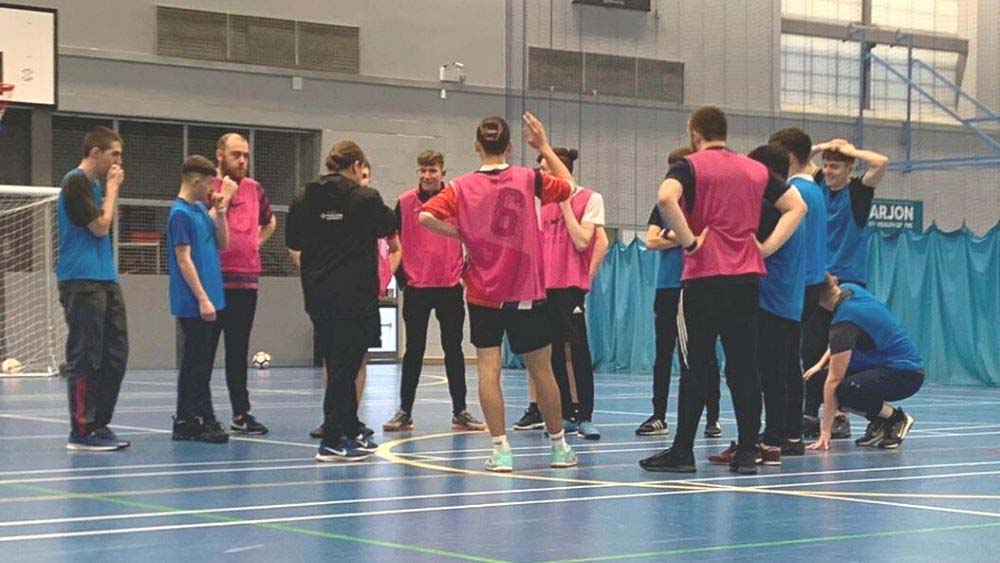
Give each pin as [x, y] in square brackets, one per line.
[6, 92]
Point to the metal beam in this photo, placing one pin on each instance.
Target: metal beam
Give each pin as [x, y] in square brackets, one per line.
[874, 34]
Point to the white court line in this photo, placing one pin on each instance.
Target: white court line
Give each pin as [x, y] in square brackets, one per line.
[880, 480]
[63, 436]
[838, 471]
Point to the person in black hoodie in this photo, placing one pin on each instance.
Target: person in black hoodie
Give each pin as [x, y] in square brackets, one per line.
[333, 226]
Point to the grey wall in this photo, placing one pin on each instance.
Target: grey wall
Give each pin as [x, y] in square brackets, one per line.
[730, 50]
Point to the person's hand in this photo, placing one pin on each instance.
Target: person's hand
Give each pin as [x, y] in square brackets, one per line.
[116, 177]
[699, 240]
[668, 235]
[822, 444]
[534, 131]
[811, 372]
[229, 188]
[206, 310]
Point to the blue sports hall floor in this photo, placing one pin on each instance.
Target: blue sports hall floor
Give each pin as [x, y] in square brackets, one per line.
[426, 498]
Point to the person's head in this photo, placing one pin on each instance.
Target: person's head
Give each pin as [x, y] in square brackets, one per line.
[493, 137]
[102, 147]
[366, 174]
[347, 159]
[567, 156]
[197, 175]
[678, 154]
[233, 155]
[795, 143]
[706, 125]
[830, 293]
[837, 168]
[775, 159]
[430, 170]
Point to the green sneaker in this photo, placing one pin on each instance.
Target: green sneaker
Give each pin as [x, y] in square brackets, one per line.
[501, 461]
[563, 457]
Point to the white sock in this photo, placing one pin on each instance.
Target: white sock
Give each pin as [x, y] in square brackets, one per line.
[558, 439]
[500, 442]
[887, 411]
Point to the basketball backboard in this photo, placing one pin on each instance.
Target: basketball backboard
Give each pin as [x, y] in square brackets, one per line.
[28, 54]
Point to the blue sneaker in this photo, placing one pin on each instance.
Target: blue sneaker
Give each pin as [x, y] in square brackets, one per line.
[345, 451]
[107, 434]
[91, 443]
[365, 443]
[570, 427]
[588, 431]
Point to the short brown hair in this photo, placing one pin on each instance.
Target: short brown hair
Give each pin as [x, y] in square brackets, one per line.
[343, 155]
[773, 157]
[197, 164]
[430, 158]
[837, 156]
[100, 138]
[678, 154]
[567, 156]
[793, 140]
[493, 135]
[221, 144]
[709, 122]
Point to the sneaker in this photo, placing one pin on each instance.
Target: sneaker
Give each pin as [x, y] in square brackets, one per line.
[107, 434]
[199, 430]
[365, 431]
[670, 461]
[588, 431]
[713, 429]
[653, 426]
[464, 421]
[769, 455]
[725, 457]
[874, 433]
[317, 433]
[810, 426]
[248, 425]
[91, 443]
[500, 461]
[745, 462]
[570, 427]
[532, 420]
[897, 427]
[400, 422]
[793, 448]
[841, 427]
[365, 443]
[346, 450]
[562, 457]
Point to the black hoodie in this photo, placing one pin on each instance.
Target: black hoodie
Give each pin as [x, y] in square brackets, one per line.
[336, 224]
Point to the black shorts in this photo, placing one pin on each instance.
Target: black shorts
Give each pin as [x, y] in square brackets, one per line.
[567, 313]
[368, 329]
[527, 329]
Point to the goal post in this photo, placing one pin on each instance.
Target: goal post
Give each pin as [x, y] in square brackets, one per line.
[32, 330]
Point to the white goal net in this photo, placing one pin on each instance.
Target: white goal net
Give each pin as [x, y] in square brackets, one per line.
[32, 330]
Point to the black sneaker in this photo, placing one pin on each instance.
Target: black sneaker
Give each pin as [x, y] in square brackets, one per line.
[841, 427]
[317, 433]
[713, 429]
[810, 426]
[532, 420]
[653, 426]
[874, 434]
[247, 424]
[745, 462]
[200, 430]
[107, 434]
[897, 427]
[670, 461]
[364, 430]
[365, 443]
[793, 448]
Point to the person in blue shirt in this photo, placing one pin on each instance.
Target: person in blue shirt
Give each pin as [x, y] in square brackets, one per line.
[668, 293]
[871, 360]
[848, 204]
[97, 339]
[815, 320]
[195, 235]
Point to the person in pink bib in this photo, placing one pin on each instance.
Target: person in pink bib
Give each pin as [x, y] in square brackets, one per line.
[251, 224]
[431, 281]
[495, 212]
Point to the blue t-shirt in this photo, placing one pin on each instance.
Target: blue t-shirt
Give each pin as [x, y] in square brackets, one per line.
[668, 273]
[894, 348]
[815, 228]
[189, 224]
[847, 229]
[82, 255]
[783, 288]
